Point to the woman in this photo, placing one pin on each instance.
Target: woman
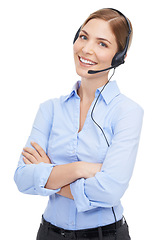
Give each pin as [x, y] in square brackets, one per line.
[82, 147]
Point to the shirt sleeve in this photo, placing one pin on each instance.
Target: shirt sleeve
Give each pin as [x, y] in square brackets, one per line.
[109, 185]
[32, 178]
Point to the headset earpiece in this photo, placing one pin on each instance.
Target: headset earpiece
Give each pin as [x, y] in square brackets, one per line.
[77, 35]
[119, 57]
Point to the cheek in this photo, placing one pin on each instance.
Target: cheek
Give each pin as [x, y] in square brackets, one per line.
[76, 47]
[74, 52]
[105, 57]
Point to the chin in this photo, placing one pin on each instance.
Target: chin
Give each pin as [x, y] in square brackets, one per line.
[84, 74]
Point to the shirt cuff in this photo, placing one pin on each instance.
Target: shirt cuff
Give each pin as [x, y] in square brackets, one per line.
[41, 174]
[78, 191]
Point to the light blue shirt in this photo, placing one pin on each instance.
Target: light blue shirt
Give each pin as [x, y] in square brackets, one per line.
[55, 129]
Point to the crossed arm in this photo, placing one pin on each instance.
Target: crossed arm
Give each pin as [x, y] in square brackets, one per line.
[61, 175]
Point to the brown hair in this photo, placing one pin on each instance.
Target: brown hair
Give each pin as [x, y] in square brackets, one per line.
[117, 23]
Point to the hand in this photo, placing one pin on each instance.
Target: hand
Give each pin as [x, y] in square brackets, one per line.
[89, 170]
[35, 155]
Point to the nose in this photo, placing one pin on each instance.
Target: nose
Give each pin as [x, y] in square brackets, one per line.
[88, 47]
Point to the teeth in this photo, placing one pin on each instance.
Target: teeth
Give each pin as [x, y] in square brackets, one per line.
[86, 61]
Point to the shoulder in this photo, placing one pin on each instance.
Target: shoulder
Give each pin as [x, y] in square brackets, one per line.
[124, 106]
[50, 104]
[127, 104]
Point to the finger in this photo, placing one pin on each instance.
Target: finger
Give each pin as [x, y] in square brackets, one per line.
[32, 151]
[30, 157]
[26, 161]
[39, 149]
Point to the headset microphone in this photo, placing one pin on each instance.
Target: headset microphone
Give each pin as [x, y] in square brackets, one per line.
[98, 71]
[103, 70]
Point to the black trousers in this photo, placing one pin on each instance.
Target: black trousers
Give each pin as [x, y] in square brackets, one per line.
[47, 232]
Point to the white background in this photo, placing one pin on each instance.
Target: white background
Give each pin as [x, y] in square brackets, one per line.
[36, 63]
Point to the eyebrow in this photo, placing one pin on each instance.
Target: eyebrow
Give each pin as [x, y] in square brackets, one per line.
[103, 39]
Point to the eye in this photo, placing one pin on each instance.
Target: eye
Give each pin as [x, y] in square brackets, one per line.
[103, 44]
[83, 37]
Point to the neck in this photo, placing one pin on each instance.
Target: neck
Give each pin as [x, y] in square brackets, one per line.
[88, 88]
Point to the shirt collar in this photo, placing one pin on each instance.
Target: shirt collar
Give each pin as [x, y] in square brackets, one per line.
[74, 90]
[110, 91]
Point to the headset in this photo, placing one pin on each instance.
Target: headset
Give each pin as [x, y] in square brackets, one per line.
[117, 60]
[119, 57]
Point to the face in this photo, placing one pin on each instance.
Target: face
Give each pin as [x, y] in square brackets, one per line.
[95, 48]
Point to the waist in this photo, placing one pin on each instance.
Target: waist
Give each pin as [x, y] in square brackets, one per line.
[85, 233]
[65, 214]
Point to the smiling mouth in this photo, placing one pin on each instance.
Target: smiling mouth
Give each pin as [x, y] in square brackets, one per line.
[86, 61]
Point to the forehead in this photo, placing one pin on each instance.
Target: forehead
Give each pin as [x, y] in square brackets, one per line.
[99, 28]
